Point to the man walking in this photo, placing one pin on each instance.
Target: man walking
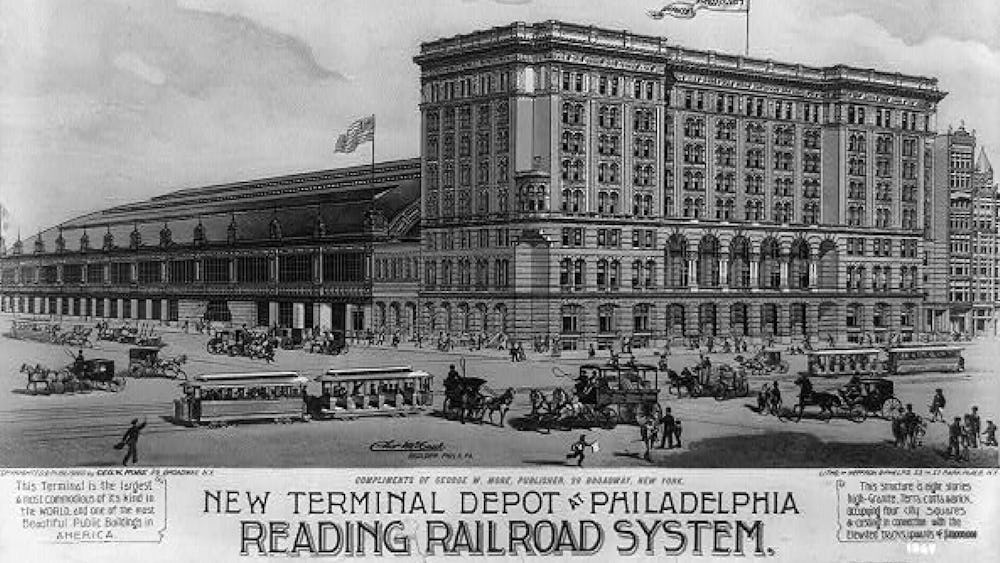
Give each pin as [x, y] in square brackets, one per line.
[648, 434]
[131, 441]
[937, 406]
[669, 424]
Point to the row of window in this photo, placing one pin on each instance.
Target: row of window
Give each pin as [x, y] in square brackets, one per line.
[465, 273]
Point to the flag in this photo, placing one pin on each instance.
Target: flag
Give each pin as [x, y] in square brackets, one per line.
[688, 9]
[361, 131]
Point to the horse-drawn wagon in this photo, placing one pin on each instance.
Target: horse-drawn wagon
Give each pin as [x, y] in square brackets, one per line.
[604, 395]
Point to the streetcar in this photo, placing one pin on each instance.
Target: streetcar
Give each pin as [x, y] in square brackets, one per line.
[919, 359]
[845, 361]
[391, 391]
[222, 398]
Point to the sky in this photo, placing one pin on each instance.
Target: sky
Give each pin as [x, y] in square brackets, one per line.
[104, 102]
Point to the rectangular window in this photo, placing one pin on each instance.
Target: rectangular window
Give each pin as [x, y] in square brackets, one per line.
[142, 309]
[150, 272]
[173, 310]
[95, 273]
[218, 311]
[216, 270]
[49, 274]
[295, 268]
[181, 272]
[285, 315]
[343, 267]
[127, 308]
[157, 313]
[121, 272]
[263, 313]
[252, 269]
[73, 273]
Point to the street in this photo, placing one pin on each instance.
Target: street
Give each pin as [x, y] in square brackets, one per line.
[79, 429]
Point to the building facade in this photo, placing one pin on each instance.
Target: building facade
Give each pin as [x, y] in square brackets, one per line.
[967, 245]
[292, 252]
[593, 184]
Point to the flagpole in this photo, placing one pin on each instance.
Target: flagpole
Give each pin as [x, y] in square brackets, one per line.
[746, 51]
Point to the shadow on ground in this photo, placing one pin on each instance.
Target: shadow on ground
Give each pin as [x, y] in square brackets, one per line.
[797, 449]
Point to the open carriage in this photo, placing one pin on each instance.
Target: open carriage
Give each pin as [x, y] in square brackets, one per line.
[145, 361]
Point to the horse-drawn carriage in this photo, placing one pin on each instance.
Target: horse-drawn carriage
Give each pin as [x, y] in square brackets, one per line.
[332, 343]
[765, 361]
[88, 375]
[604, 395]
[469, 398]
[830, 403]
[874, 394]
[146, 362]
[77, 336]
[239, 342]
[721, 381]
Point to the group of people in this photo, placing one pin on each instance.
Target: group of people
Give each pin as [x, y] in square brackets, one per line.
[963, 431]
[667, 428]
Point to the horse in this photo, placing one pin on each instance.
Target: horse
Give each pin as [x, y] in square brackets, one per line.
[37, 375]
[807, 396]
[499, 403]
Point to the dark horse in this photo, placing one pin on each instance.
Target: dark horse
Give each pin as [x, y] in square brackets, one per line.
[462, 397]
[826, 402]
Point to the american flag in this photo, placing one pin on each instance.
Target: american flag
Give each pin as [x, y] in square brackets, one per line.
[361, 131]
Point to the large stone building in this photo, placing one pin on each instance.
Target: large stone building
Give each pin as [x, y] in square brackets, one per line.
[573, 181]
[292, 252]
[591, 184]
[963, 248]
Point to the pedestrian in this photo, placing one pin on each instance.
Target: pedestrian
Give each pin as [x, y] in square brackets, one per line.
[578, 449]
[590, 351]
[954, 438]
[762, 398]
[669, 424]
[937, 406]
[991, 434]
[131, 440]
[648, 434]
[975, 426]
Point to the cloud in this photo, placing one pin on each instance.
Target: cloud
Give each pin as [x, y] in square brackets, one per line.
[129, 99]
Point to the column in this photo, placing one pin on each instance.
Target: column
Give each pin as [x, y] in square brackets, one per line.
[812, 320]
[753, 319]
[724, 273]
[164, 310]
[692, 318]
[232, 270]
[298, 315]
[813, 279]
[349, 317]
[325, 316]
[272, 312]
[783, 269]
[723, 317]
[107, 307]
[121, 309]
[317, 260]
[135, 308]
[692, 271]
[368, 316]
[198, 274]
[59, 306]
[784, 313]
[754, 268]
[149, 309]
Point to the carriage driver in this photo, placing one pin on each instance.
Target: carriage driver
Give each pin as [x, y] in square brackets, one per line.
[453, 378]
[852, 389]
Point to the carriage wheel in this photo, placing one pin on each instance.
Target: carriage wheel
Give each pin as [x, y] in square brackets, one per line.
[856, 413]
[743, 387]
[890, 407]
[697, 390]
[721, 393]
[674, 389]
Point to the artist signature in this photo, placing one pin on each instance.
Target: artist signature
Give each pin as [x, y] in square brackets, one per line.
[406, 446]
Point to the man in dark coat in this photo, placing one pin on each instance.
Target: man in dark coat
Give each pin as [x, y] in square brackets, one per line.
[131, 440]
[669, 425]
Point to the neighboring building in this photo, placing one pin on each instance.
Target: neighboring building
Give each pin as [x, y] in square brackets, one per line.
[967, 249]
[593, 184]
[292, 252]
